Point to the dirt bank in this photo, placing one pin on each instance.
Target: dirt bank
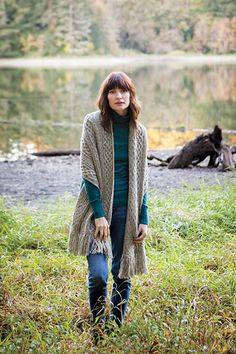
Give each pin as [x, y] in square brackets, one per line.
[47, 178]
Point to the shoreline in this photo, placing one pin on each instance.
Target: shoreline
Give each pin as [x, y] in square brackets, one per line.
[45, 179]
[106, 61]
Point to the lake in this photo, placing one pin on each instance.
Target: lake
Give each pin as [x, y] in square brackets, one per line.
[43, 108]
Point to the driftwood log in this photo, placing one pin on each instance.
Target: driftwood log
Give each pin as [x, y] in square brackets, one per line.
[195, 151]
[198, 149]
[56, 153]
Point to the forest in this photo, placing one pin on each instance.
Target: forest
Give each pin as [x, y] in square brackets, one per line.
[31, 28]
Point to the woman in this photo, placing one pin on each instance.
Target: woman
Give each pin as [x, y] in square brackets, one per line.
[110, 218]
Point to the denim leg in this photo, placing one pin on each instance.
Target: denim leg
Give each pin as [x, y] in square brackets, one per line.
[97, 284]
[119, 299]
[121, 287]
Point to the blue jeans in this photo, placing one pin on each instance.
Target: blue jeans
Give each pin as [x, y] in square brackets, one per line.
[98, 274]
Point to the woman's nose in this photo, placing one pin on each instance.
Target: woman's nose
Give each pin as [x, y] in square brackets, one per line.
[118, 94]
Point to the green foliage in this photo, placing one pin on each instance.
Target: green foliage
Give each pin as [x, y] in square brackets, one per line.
[184, 304]
[72, 27]
[220, 8]
[55, 27]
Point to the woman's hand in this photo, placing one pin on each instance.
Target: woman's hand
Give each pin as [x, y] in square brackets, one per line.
[102, 228]
[142, 233]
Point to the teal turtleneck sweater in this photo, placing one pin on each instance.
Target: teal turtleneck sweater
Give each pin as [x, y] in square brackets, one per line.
[121, 177]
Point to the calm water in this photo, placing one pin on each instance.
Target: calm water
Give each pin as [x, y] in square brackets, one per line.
[43, 109]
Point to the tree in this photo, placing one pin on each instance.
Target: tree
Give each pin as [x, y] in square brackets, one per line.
[220, 8]
[138, 33]
[104, 26]
[80, 27]
[72, 26]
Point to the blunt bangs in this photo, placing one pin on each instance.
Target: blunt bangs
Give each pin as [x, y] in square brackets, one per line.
[118, 80]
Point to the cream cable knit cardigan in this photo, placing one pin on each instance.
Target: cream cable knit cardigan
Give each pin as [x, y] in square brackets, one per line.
[97, 166]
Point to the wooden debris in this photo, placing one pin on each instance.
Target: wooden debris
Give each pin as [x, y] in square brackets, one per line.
[56, 153]
[198, 149]
[195, 151]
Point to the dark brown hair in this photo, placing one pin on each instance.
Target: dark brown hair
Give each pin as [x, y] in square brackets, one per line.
[122, 81]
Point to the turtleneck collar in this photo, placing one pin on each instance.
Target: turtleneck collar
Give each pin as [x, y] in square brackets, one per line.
[118, 119]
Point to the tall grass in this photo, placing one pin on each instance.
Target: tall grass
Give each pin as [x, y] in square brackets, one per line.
[184, 304]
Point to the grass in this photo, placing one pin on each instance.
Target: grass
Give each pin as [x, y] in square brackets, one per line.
[184, 304]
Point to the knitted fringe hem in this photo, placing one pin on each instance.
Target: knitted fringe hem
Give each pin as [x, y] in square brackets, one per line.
[98, 246]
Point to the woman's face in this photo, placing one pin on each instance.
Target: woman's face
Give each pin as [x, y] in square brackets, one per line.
[119, 100]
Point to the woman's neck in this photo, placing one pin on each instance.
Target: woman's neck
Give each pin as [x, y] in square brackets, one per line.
[122, 112]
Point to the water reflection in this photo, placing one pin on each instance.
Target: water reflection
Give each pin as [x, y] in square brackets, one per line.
[44, 109]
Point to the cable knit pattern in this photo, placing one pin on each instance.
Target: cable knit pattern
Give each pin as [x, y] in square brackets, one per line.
[97, 166]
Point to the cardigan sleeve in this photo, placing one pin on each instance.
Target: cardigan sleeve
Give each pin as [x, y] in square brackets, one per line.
[143, 217]
[94, 199]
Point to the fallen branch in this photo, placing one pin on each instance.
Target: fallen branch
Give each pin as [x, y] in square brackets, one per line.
[56, 153]
[152, 157]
